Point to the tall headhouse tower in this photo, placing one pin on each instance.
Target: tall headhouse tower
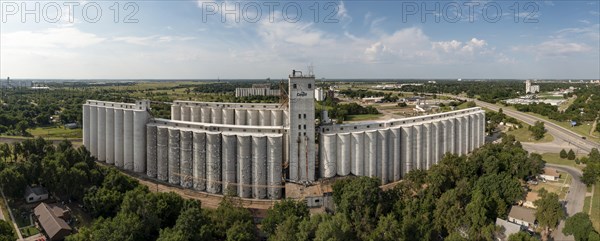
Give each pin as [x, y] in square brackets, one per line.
[302, 127]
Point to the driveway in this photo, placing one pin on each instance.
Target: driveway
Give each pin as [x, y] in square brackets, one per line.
[574, 199]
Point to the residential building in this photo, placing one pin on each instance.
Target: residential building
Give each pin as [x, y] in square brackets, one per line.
[550, 174]
[35, 194]
[51, 219]
[522, 216]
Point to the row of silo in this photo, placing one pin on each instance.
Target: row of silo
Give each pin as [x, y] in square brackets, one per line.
[228, 116]
[116, 135]
[244, 165]
[391, 153]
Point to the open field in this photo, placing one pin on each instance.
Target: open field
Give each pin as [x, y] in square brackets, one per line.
[524, 135]
[364, 117]
[554, 158]
[595, 214]
[56, 132]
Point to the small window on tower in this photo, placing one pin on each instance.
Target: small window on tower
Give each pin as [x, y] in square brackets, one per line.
[299, 116]
[309, 86]
[294, 86]
[305, 127]
[304, 116]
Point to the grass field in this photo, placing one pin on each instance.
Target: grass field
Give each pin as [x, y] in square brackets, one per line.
[595, 215]
[55, 132]
[554, 158]
[524, 135]
[363, 117]
[586, 204]
[29, 231]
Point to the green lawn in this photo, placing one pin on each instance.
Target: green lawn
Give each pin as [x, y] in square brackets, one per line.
[55, 132]
[29, 231]
[586, 204]
[595, 215]
[524, 135]
[554, 158]
[363, 117]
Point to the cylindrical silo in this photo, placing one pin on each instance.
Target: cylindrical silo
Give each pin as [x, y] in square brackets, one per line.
[119, 141]
[383, 169]
[174, 156]
[286, 118]
[277, 116]
[344, 153]
[265, 117]
[101, 133]
[196, 113]
[162, 153]
[186, 113]
[328, 150]
[244, 161]
[437, 139]
[213, 162]
[240, 117]
[451, 139]
[86, 125]
[462, 135]
[396, 158]
[252, 117]
[217, 116]
[229, 170]
[445, 145]
[128, 139]
[274, 167]
[358, 153]
[481, 132]
[186, 157]
[228, 116]
[110, 135]
[471, 130]
[406, 150]
[199, 166]
[151, 146]
[175, 112]
[93, 147]
[371, 153]
[140, 119]
[428, 134]
[205, 114]
[417, 147]
[259, 167]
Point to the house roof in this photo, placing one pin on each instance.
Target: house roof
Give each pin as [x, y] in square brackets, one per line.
[521, 213]
[509, 228]
[38, 191]
[551, 172]
[50, 222]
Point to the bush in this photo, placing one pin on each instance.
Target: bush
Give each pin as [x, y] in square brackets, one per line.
[571, 155]
[563, 154]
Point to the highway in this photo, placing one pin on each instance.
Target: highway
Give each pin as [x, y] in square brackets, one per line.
[555, 130]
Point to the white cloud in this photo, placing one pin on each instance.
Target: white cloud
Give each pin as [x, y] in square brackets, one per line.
[59, 38]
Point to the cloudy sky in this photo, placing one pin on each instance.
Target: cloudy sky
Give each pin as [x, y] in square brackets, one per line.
[342, 39]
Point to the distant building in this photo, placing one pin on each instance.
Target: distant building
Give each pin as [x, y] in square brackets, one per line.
[35, 194]
[531, 88]
[522, 216]
[509, 229]
[550, 174]
[257, 90]
[319, 94]
[52, 220]
[372, 99]
[71, 126]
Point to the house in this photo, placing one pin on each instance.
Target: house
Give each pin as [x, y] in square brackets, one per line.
[550, 174]
[530, 199]
[508, 229]
[522, 216]
[35, 194]
[51, 219]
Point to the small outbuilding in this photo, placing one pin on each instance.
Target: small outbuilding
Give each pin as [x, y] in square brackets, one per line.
[35, 194]
[550, 174]
[522, 216]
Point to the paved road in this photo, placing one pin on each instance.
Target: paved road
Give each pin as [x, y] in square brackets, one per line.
[555, 130]
[574, 199]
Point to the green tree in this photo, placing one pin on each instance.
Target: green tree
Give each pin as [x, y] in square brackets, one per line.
[358, 199]
[338, 228]
[192, 225]
[549, 212]
[281, 211]
[241, 231]
[6, 231]
[571, 155]
[563, 154]
[578, 225]
[538, 130]
[388, 229]
[12, 182]
[521, 236]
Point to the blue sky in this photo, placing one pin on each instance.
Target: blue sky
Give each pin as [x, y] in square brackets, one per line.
[344, 39]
